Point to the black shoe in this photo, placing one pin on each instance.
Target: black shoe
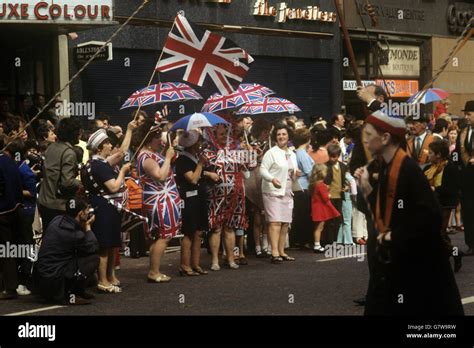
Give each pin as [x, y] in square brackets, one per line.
[8, 295]
[360, 301]
[86, 296]
[276, 259]
[469, 252]
[78, 301]
[457, 263]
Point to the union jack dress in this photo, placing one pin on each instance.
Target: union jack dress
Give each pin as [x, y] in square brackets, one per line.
[161, 201]
[226, 199]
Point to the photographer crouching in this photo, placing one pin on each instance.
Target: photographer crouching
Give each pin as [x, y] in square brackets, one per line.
[68, 255]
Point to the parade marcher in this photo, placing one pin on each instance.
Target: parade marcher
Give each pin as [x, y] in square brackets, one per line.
[322, 209]
[161, 201]
[373, 95]
[279, 170]
[411, 274]
[464, 156]
[191, 179]
[60, 171]
[68, 255]
[418, 140]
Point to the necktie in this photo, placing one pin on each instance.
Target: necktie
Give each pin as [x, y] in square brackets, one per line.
[417, 147]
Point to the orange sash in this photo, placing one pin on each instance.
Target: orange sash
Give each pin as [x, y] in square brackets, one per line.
[384, 225]
[423, 155]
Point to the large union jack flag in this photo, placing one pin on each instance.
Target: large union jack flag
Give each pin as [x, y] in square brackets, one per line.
[204, 54]
[268, 105]
[161, 93]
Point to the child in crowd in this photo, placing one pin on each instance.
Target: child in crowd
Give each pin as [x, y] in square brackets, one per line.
[344, 235]
[321, 206]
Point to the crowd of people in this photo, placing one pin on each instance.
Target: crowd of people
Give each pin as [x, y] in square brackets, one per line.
[253, 186]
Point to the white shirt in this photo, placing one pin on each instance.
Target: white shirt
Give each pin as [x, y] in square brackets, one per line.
[275, 166]
[422, 138]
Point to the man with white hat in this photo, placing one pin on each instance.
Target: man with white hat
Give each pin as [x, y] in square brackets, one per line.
[411, 274]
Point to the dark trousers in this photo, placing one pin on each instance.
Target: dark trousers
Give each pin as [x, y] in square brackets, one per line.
[8, 269]
[47, 215]
[302, 225]
[331, 228]
[467, 204]
[59, 289]
[24, 236]
[138, 244]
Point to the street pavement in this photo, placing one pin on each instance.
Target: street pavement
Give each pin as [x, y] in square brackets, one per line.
[311, 285]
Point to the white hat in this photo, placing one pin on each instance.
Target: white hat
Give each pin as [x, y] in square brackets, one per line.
[188, 139]
[390, 124]
[96, 139]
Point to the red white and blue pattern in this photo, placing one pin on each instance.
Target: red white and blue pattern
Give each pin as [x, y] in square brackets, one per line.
[204, 54]
[428, 96]
[268, 105]
[198, 120]
[245, 93]
[161, 201]
[161, 93]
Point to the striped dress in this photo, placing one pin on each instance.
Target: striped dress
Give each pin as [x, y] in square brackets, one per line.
[161, 201]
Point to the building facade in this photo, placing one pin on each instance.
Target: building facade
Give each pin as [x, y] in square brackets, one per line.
[408, 45]
[296, 47]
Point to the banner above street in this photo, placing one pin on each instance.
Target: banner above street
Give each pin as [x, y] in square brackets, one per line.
[60, 12]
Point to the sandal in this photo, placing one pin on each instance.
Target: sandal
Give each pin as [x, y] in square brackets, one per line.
[200, 270]
[160, 279]
[111, 289]
[287, 258]
[189, 273]
[276, 259]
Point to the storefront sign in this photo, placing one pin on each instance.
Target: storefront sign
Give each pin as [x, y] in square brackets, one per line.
[393, 12]
[282, 12]
[399, 88]
[402, 61]
[351, 85]
[83, 52]
[65, 11]
[458, 19]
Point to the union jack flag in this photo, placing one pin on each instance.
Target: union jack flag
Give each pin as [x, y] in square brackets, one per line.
[218, 102]
[268, 105]
[161, 93]
[204, 54]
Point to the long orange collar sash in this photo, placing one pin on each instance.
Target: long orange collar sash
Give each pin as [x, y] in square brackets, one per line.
[384, 225]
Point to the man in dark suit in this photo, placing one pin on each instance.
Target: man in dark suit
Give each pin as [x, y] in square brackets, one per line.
[373, 95]
[464, 156]
[337, 126]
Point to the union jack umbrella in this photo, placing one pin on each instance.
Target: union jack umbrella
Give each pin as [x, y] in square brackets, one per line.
[428, 96]
[268, 105]
[245, 93]
[161, 93]
[204, 54]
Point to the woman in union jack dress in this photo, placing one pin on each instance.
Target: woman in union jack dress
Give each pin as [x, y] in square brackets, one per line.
[161, 201]
[226, 200]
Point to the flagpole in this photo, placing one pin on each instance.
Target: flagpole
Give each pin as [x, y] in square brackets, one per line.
[149, 83]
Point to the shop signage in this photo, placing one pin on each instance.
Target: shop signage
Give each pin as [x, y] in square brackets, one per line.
[402, 61]
[351, 85]
[54, 11]
[282, 12]
[393, 12]
[399, 88]
[83, 52]
[458, 19]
